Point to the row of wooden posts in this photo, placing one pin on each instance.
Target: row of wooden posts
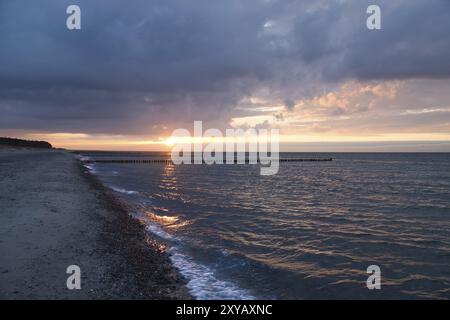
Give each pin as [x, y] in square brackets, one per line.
[169, 161]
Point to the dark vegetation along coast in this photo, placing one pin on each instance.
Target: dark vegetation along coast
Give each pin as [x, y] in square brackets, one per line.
[54, 214]
[11, 142]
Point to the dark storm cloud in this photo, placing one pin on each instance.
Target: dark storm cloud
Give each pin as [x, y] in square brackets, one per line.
[153, 62]
[413, 43]
[153, 45]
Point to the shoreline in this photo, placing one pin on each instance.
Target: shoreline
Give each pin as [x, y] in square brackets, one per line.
[140, 247]
[64, 215]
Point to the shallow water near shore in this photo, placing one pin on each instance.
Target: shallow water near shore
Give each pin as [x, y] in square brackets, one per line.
[309, 232]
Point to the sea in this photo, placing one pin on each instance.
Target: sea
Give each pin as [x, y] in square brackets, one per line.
[309, 232]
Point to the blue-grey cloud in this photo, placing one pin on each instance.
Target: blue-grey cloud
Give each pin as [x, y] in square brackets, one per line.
[169, 62]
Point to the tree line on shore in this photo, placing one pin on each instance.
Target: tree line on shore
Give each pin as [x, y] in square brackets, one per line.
[12, 142]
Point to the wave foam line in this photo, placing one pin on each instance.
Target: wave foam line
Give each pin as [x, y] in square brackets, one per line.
[202, 283]
[124, 191]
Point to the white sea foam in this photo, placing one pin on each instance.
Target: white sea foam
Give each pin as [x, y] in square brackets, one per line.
[124, 191]
[90, 167]
[203, 283]
[153, 228]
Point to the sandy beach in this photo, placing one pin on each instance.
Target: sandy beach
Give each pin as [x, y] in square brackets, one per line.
[54, 214]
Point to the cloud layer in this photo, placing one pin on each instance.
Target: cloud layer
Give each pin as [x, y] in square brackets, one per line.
[155, 65]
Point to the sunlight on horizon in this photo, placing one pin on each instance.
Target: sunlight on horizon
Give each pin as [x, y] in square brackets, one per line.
[81, 141]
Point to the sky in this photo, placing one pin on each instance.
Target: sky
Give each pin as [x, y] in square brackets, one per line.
[137, 71]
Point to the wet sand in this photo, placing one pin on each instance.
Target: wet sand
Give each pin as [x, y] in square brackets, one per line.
[54, 214]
